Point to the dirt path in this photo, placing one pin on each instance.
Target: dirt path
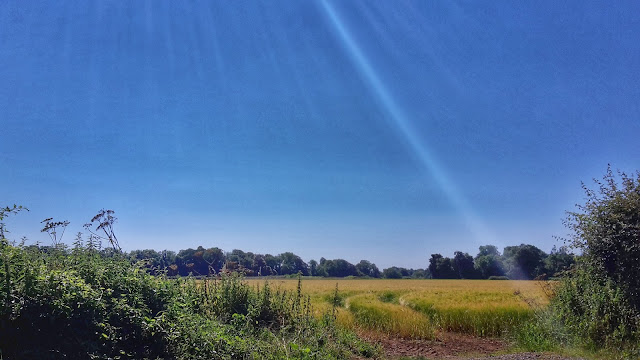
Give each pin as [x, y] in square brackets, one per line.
[525, 356]
[446, 345]
[451, 346]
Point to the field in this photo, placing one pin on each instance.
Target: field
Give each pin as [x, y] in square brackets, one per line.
[418, 309]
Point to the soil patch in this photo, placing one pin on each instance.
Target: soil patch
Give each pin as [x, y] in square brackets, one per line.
[452, 346]
[446, 345]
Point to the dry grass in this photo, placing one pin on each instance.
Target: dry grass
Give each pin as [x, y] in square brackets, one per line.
[416, 308]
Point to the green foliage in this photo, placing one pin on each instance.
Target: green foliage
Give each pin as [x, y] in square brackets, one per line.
[83, 302]
[596, 310]
[540, 334]
[442, 267]
[600, 301]
[395, 272]
[488, 262]
[388, 297]
[337, 299]
[291, 263]
[559, 261]
[76, 303]
[597, 303]
[463, 266]
[367, 268]
[392, 273]
[607, 230]
[524, 262]
[337, 268]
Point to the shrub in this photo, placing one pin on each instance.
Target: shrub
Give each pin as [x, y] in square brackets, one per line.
[598, 301]
[81, 303]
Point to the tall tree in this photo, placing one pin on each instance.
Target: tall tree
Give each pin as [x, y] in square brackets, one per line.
[291, 263]
[392, 273]
[486, 250]
[463, 265]
[259, 266]
[338, 268]
[367, 268]
[524, 262]
[215, 259]
[488, 262]
[559, 260]
[313, 268]
[273, 262]
[441, 267]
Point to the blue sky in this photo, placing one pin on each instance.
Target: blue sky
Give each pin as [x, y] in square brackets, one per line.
[383, 130]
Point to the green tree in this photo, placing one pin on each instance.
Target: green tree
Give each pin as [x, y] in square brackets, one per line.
[463, 265]
[441, 267]
[524, 262]
[392, 273]
[337, 268]
[488, 262]
[259, 266]
[313, 268]
[488, 250]
[367, 268]
[273, 263]
[192, 261]
[420, 274]
[216, 259]
[489, 265]
[559, 260]
[243, 259]
[291, 263]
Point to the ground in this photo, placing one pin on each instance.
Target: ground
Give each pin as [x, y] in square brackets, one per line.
[451, 346]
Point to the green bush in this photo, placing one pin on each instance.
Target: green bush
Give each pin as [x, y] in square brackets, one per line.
[83, 302]
[596, 304]
[596, 311]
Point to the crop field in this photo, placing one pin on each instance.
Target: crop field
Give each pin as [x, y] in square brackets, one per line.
[420, 308]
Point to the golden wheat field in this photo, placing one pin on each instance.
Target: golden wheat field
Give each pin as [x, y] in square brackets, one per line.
[419, 308]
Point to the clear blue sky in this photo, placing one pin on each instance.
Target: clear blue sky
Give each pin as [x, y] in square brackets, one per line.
[384, 130]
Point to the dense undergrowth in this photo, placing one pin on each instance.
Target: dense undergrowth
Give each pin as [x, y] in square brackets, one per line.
[596, 306]
[78, 303]
[588, 316]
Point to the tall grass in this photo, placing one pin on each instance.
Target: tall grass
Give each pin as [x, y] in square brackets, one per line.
[417, 308]
[476, 313]
[81, 303]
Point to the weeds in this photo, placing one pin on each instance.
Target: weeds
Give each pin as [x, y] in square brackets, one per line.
[84, 302]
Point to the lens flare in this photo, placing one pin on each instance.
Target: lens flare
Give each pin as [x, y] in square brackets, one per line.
[402, 124]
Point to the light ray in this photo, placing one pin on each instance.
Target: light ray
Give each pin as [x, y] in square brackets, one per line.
[401, 122]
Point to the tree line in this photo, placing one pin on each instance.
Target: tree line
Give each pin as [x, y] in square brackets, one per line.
[515, 262]
[520, 262]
